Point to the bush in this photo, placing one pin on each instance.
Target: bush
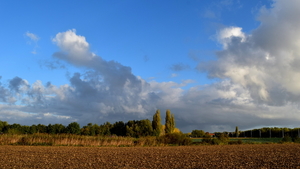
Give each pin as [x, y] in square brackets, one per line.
[223, 138]
[197, 133]
[286, 138]
[216, 142]
[235, 142]
[175, 139]
[296, 140]
[207, 139]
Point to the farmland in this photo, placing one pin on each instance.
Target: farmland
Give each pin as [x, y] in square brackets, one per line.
[227, 156]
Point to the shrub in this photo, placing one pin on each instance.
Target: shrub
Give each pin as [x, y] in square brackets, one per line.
[207, 139]
[296, 140]
[223, 138]
[175, 139]
[286, 138]
[235, 142]
[216, 142]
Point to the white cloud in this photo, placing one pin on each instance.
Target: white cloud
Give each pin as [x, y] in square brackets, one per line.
[75, 48]
[32, 36]
[265, 62]
[229, 34]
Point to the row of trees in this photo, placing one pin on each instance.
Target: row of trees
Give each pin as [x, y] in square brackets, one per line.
[271, 132]
[132, 128]
[262, 132]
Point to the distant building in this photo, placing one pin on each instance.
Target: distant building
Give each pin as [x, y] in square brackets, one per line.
[212, 134]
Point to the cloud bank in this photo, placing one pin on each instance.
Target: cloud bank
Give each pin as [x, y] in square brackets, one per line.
[258, 82]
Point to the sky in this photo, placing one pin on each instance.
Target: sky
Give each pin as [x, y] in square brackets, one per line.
[216, 64]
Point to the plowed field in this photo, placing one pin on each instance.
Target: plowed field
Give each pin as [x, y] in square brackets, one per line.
[229, 156]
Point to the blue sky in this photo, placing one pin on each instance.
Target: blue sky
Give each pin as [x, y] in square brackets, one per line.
[148, 36]
[213, 63]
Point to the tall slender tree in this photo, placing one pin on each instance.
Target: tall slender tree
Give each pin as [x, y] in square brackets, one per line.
[156, 124]
[170, 122]
[236, 131]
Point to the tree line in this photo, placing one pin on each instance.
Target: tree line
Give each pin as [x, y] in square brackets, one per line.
[265, 132]
[271, 132]
[132, 128]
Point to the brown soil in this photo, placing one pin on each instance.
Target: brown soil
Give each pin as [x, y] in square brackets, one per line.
[229, 156]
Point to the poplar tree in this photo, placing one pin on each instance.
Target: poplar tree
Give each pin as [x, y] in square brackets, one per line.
[156, 123]
[237, 131]
[170, 122]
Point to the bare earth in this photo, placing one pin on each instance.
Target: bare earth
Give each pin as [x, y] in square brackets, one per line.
[229, 156]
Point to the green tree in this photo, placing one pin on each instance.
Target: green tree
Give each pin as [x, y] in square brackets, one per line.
[3, 124]
[85, 130]
[129, 131]
[59, 128]
[197, 133]
[33, 129]
[90, 129]
[156, 124]
[51, 129]
[41, 128]
[26, 129]
[237, 131]
[104, 129]
[14, 129]
[118, 128]
[170, 122]
[132, 128]
[139, 128]
[73, 128]
[145, 128]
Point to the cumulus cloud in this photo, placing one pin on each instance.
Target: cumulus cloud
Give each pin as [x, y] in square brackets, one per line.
[229, 35]
[17, 84]
[265, 62]
[4, 93]
[74, 48]
[107, 88]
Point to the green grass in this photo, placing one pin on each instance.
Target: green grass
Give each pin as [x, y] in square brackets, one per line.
[196, 139]
[258, 140]
[249, 140]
